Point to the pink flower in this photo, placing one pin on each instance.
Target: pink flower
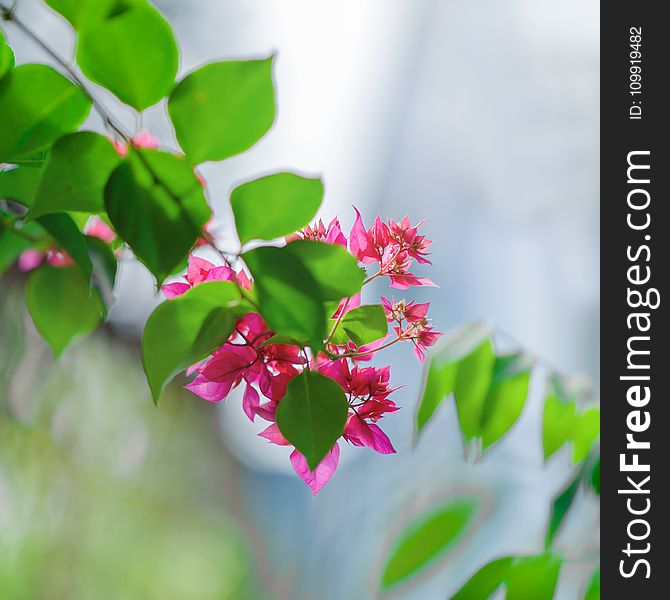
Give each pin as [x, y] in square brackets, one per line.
[321, 475]
[332, 235]
[200, 270]
[411, 323]
[30, 259]
[361, 433]
[401, 310]
[96, 227]
[143, 140]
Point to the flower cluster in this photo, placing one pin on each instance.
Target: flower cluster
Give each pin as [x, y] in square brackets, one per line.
[249, 357]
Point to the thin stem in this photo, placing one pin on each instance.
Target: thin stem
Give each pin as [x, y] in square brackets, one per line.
[333, 356]
[337, 322]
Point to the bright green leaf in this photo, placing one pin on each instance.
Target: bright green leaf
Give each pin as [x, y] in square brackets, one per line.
[21, 183]
[560, 411]
[61, 305]
[427, 539]
[486, 581]
[593, 588]
[506, 397]
[275, 205]
[11, 246]
[289, 297]
[82, 12]
[160, 222]
[7, 61]
[68, 237]
[182, 331]
[38, 106]
[132, 53]
[222, 109]
[76, 174]
[362, 325]
[533, 577]
[586, 433]
[312, 414]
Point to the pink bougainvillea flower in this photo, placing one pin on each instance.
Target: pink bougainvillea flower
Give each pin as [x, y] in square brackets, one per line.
[142, 140]
[272, 434]
[408, 237]
[321, 475]
[30, 259]
[425, 338]
[399, 310]
[200, 270]
[318, 232]
[411, 323]
[361, 433]
[96, 227]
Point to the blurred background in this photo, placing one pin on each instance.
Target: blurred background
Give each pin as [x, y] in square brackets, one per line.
[483, 118]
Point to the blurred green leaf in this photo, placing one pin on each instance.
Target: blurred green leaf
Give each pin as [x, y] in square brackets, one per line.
[506, 397]
[11, 246]
[275, 205]
[362, 325]
[533, 577]
[593, 589]
[595, 476]
[465, 355]
[132, 53]
[182, 331]
[486, 581]
[222, 109]
[62, 305]
[7, 61]
[82, 12]
[38, 106]
[20, 184]
[333, 268]
[289, 296]
[426, 539]
[104, 268]
[66, 233]
[76, 174]
[312, 415]
[586, 433]
[159, 222]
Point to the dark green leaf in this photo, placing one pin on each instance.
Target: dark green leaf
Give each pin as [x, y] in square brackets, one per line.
[182, 331]
[104, 268]
[332, 267]
[533, 577]
[76, 174]
[11, 246]
[561, 506]
[20, 184]
[465, 355]
[38, 106]
[312, 414]
[595, 476]
[82, 12]
[362, 325]
[61, 305]
[593, 588]
[427, 539]
[160, 222]
[223, 108]
[132, 53]
[486, 581]
[506, 397]
[6, 57]
[63, 229]
[275, 205]
[289, 297]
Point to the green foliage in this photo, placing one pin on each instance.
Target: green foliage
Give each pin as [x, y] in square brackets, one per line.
[185, 330]
[75, 176]
[63, 229]
[564, 422]
[593, 588]
[132, 53]
[11, 246]
[525, 577]
[427, 539]
[6, 57]
[83, 12]
[288, 295]
[62, 305]
[38, 106]
[312, 415]
[158, 207]
[223, 108]
[362, 325]
[21, 183]
[275, 205]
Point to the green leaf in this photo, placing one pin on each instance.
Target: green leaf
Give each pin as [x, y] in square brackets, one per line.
[223, 108]
[506, 397]
[533, 577]
[82, 12]
[362, 325]
[595, 476]
[66, 233]
[104, 268]
[182, 331]
[560, 411]
[38, 106]
[333, 268]
[486, 581]
[593, 588]
[61, 305]
[160, 222]
[275, 205]
[7, 61]
[76, 174]
[20, 184]
[586, 433]
[132, 53]
[289, 297]
[561, 506]
[11, 246]
[312, 415]
[427, 539]
[468, 349]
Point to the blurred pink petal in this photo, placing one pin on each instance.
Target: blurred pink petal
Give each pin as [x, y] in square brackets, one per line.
[30, 259]
[321, 475]
[172, 290]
